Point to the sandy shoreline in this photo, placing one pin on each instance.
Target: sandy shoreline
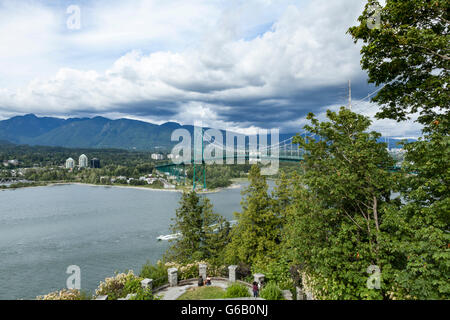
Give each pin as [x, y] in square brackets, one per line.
[233, 186]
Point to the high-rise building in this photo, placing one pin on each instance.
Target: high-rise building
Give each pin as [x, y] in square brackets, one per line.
[83, 161]
[95, 163]
[157, 156]
[70, 163]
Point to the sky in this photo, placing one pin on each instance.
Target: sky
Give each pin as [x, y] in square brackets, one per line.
[231, 64]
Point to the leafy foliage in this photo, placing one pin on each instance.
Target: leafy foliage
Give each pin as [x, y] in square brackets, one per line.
[410, 53]
[421, 226]
[335, 221]
[143, 294]
[237, 290]
[157, 272]
[271, 292]
[118, 286]
[65, 294]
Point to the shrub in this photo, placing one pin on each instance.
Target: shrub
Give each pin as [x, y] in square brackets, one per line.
[237, 290]
[132, 285]
[65, 294]
[243, 271]
[277, 271]
[156, 272]
[271, 292]
[144, 294]
[116, 287]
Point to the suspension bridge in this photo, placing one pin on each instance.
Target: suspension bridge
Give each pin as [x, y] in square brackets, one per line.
[210, 151]
[284, 151]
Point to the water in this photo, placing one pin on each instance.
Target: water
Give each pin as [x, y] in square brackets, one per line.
[102, 230]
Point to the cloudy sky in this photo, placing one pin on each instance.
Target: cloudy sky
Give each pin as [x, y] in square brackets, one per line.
[231, 64]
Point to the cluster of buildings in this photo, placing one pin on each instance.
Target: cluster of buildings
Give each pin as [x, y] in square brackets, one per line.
[149, 179]
[157, 156]
[83, 162]
[8, 163]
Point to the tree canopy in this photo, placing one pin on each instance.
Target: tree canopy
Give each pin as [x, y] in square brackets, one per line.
[409, 53]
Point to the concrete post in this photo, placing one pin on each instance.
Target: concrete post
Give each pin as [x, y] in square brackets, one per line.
[130, 295]
[300, 295]
[147, 284]
[232, 273]
[173, 276]
[202, 270]
[287, 295]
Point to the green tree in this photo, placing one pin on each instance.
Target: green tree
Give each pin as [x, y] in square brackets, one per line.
[282, 194]
[422, 225]
[410, 53]
[203, 233]
[256, 237]
[335, 227]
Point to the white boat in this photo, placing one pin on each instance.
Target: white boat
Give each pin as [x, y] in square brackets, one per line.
[168, 237]
[177, 235]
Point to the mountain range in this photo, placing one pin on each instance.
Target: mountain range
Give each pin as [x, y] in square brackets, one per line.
[97, 132]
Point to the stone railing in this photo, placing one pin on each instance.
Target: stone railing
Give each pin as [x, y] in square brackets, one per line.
[172, 276]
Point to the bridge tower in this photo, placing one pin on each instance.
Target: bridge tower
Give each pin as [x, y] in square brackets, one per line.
[199, 175]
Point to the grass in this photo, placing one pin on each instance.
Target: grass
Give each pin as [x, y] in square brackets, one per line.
[203, 293]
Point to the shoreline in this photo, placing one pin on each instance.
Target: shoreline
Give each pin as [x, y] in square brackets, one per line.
[234, 185]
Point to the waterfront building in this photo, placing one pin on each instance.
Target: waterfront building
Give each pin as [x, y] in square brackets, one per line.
[157, 156]
[95, 163]
[70, 163]
[83, 161]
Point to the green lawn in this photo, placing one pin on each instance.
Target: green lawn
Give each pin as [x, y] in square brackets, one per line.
[203, 293]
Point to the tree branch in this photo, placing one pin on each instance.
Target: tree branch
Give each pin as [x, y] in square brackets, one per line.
[345, 211]
[445, 57]
[375, 212]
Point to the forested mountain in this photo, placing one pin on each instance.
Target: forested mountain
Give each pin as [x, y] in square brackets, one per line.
[97, 132]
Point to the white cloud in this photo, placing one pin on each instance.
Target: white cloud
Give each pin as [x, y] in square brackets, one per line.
[186, 60]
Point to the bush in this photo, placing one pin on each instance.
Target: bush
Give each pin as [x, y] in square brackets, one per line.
[271, 292]
[237, 290]
[277, 271]
[118, 286]
[132, 285]
[65, 294]
[123, 284]
[144, 294]
[243, 272]
[156, 272]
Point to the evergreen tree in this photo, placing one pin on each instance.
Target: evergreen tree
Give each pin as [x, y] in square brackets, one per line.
[202, 233]
[256, 237]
